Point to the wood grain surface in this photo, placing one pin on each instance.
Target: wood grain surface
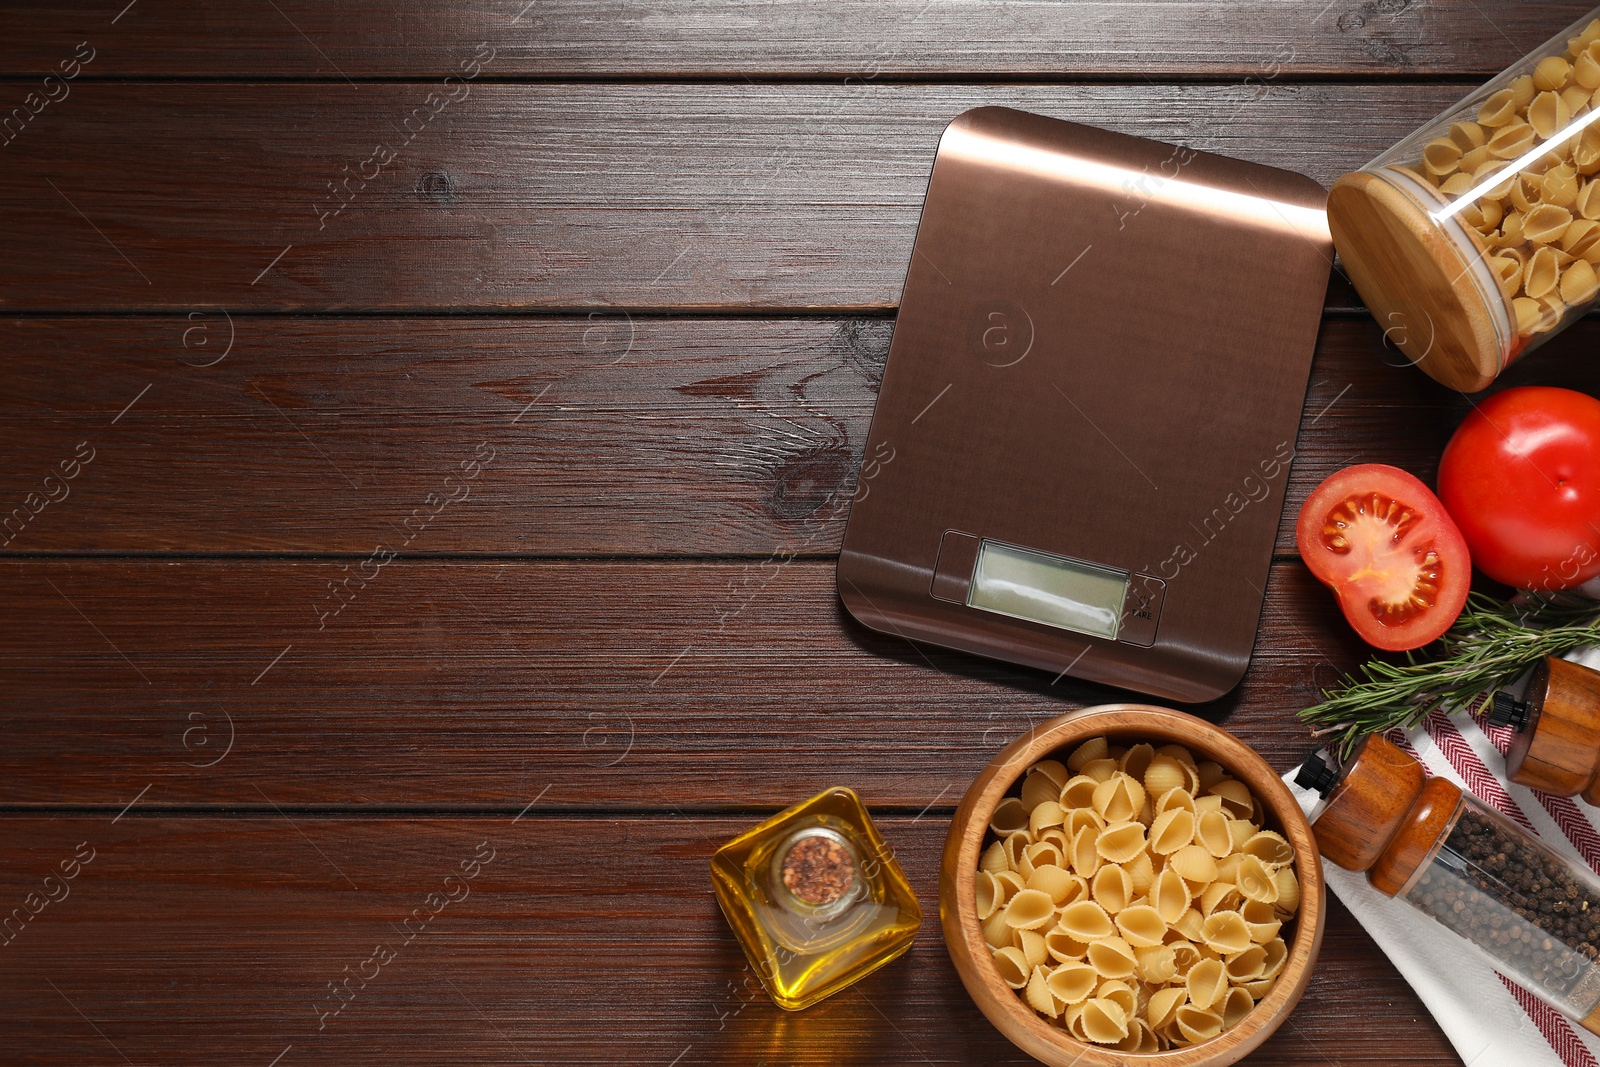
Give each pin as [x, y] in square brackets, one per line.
[183, 941]
[775, 197]
[493, 495]
[860, 38]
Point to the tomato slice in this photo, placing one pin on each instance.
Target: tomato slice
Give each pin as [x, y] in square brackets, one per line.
[1390, 552]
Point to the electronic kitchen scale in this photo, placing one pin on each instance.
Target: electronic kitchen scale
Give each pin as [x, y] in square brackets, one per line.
[1082, 439]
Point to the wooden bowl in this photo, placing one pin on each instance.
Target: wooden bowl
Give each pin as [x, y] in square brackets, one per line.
[958, 913]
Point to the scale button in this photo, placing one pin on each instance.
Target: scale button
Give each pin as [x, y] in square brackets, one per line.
[1141, 610]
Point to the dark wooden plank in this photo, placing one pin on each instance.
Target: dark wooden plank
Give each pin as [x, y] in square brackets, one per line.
[594, 196]
[238, 925]
[641, 684]
[649, 436]
[860, 38]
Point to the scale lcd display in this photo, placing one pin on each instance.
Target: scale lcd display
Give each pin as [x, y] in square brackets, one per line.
[1048, 589]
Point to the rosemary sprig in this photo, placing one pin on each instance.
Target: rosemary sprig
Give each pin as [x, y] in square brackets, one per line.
[1488, 647]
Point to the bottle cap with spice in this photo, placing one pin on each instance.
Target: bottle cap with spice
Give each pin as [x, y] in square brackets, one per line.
[1533, 912]
[1556, 744]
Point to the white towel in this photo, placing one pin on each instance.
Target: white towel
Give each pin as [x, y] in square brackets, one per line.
[1491, 1022]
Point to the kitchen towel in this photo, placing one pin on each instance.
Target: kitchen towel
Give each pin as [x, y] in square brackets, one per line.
[1491, 1021]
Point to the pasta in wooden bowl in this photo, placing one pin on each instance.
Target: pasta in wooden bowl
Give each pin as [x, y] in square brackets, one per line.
[1131, 884]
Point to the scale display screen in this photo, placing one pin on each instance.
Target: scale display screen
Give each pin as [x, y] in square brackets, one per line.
[1047, 589]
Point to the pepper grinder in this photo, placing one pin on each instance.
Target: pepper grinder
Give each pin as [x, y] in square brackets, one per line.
[1533, 913]
[1556, 748]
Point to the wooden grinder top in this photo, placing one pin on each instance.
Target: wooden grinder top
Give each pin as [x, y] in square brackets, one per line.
[1558, 748]
[1416, 281]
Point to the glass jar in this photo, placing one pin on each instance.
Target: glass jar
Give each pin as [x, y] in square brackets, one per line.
[815, 898]
[1533, 913]
[1477, 237]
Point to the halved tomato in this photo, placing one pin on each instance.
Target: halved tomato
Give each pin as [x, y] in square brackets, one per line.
[1384, 544]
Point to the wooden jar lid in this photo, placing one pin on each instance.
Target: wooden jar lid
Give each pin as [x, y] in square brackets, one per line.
[1369, 805]
[1416, 280]
[1557, 749]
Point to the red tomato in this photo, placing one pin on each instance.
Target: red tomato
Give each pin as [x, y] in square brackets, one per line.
[1521, 477]
[1385, 545]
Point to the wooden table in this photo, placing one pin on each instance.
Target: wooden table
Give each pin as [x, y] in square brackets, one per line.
[460, 401]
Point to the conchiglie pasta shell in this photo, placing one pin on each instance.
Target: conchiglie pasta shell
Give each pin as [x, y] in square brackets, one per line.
[1078, 792]
[1082, 818]
[1211, 772]
[1072, 983]
[1037, 788]
[997, 933]
[986, 895]
[1141, 926]
[1085, 856]
[994, 859]
[1277, 955]
[1029, 909]
[1164, 1005]
[1136, 760]
[1112, 889]
[1196, 1025]
[1104, 1022]
[1270, 848]
[1119, 993]
[1092, 749]
[1101, 770]
[1045, 854]
[1086, 921]
[1119, 798]
[1013, 966]
[1207, 982]
[1033, 947]
[1141, 1039]
[1228, 867]
[1157, 964]
[1262, 919]
[1255, 881]
[1054, 770]
[1246, 966]
[1163, 774]
[1038, 994]
[1217, 896]
[1194, 864]
[1235, 1006]
[1191, 924]
[1009, 883]
[1236, 797]
[1120, 843]
[1225, 932]
[1184, 956]
[1054, 881]
[1113, 957]
[1063, 947]
[1010, 815]
[1171, 830]
[1142, 872]
[1170, 895]
[1288, 891]
[1045, 815]
[1211, 831]
[1016, 843]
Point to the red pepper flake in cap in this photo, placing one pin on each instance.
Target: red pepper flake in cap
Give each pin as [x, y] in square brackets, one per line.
[818, 870]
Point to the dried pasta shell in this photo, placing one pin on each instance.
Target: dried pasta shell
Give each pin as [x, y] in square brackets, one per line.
[1085, 856]
[1236, 797]
[994, 858]
[1010, 815]
[1288, 890]
[1226, 932]
[1207, 982]
[1184, 954]
[1141, 872]
[1136, 761]
[1499, 109]
[1112, 888]
[1474, 158]
[1262, 919]
[1140, 1040]
[1546, 223]
[1009, 883]
[1078, 792]
[1093, 749]
[1013, 966]
[1547, 114]
[1552, 309]
[1543, 273]
[1255, 881]
[1212, 833]
[1054, 770]
[1120, 843]
[1235, 1006]
[1586, 71]
[1246, 966]
[1164, 1005]
[1046, 815]
[1194, 864]
[1509, 142]
[1175, 798]
[1522, 90]
[1579, 283]
[1072, 983]
[1551, 73]
[1277, 955]
[1209, 802]
[1063, 947]
[1468, 135]
[1079, 818]
[1038, 994]
[1272, 849]
[1058, 883]
[1119, 799]
[1508, 272]
[1038, 788]
[1165, 773]
[1086, 921]
[1033, 947]
[1577, 98]
[1044, 854]
[1101, 770]
[1120, 993]
[1113, 957]
[1141, 926]
[1190, 925]
[1223, 896]
[987, 895]
[1441, 156]
[997, 933]
[1210, 772]
[1104, 1022]
[1197, 1025]
[1259, 988]
[1029, 909]
[1171, 830]
[1170, 895]
[1157, 964]
[1580, 235]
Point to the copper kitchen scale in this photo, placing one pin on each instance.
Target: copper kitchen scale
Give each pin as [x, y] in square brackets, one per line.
[1082, 438]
